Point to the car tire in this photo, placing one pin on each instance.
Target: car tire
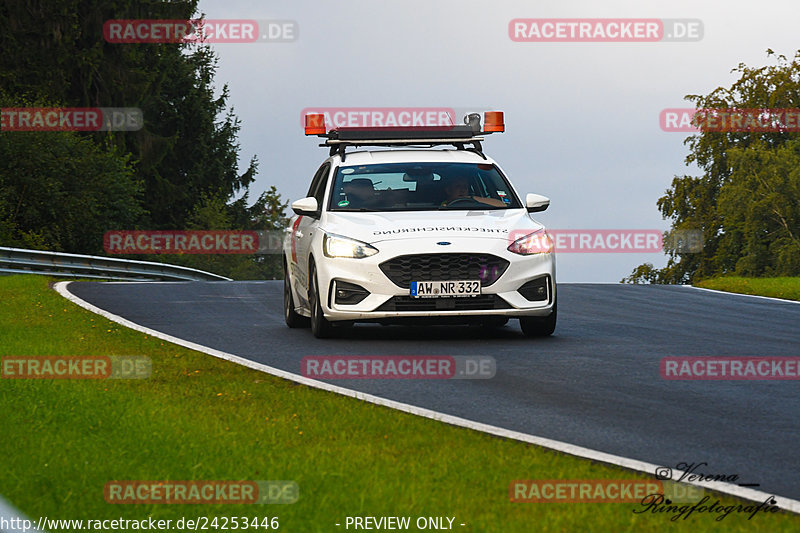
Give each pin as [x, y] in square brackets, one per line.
[321, 328]
[293, 319]
[536, 326]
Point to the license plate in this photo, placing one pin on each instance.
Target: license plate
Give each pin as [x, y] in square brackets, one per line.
[444, 289]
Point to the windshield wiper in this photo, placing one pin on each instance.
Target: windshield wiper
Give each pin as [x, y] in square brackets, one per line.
[484, 207]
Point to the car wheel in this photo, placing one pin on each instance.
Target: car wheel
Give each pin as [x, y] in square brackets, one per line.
[536, 326]
[293, 319]
[320, 327]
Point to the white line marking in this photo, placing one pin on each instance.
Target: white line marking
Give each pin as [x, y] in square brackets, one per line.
[9, 515]
[740, 294]
[633, 464]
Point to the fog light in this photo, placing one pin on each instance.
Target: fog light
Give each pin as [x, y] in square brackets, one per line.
[536, 290]
[349, 293]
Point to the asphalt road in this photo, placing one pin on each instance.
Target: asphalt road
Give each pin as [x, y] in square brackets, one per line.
[595, 383]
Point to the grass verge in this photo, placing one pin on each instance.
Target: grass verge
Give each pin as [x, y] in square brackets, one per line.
[201, 418]
[786, 288]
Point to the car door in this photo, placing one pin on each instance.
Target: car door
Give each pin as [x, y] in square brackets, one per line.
[303, 231]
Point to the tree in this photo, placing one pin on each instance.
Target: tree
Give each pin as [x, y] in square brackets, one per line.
[59, 190]
[746, 202]
[187, 149]
[644, 273]
[761, 210]
[267, 214]
[64, 190]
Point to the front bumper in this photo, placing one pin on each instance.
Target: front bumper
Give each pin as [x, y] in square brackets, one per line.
[387, 300]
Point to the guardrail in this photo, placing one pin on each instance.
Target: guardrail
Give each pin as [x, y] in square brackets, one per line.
[21, 261]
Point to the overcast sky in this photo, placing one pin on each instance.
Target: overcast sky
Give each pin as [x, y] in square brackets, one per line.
[581, 118]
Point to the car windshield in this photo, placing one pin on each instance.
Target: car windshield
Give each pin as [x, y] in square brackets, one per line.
[421, 187]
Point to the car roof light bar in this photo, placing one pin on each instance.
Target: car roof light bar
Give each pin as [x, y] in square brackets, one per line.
[459, 136]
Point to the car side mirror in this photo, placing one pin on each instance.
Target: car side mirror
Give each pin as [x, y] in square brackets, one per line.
[306, 206]
[535, 203]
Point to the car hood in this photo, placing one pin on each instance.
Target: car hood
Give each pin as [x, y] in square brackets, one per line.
[388, 226]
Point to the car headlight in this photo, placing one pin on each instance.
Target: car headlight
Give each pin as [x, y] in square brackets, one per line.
[538, 242]
[338, 246]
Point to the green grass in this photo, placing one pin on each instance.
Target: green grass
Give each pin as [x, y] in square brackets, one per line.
[201, 418]
[786, 288]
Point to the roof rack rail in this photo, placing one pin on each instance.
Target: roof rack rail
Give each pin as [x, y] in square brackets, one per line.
[459, 136]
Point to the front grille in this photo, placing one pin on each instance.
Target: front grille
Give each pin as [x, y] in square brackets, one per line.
[444, 267]
[474, 303]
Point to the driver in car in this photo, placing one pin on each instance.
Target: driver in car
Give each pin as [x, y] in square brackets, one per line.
[457, 188]
[360, 193]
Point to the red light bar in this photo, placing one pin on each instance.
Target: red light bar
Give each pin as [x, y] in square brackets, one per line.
[315, 124]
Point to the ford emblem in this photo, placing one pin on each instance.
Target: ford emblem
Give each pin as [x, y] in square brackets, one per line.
[443, 243]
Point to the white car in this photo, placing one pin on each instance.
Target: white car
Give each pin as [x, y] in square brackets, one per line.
[416, 236]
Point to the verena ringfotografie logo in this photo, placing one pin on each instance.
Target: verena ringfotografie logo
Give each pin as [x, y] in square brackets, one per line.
[71, 119]
[586, 30]
[587, 241]
[659, 504]
[756, 120]
[200, 31]
[730, 368]
[690, 472]
[201, 492]
[76, 367]
[381, 117]
[398, 367]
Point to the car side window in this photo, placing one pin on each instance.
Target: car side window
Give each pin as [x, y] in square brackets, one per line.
[317, 189]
